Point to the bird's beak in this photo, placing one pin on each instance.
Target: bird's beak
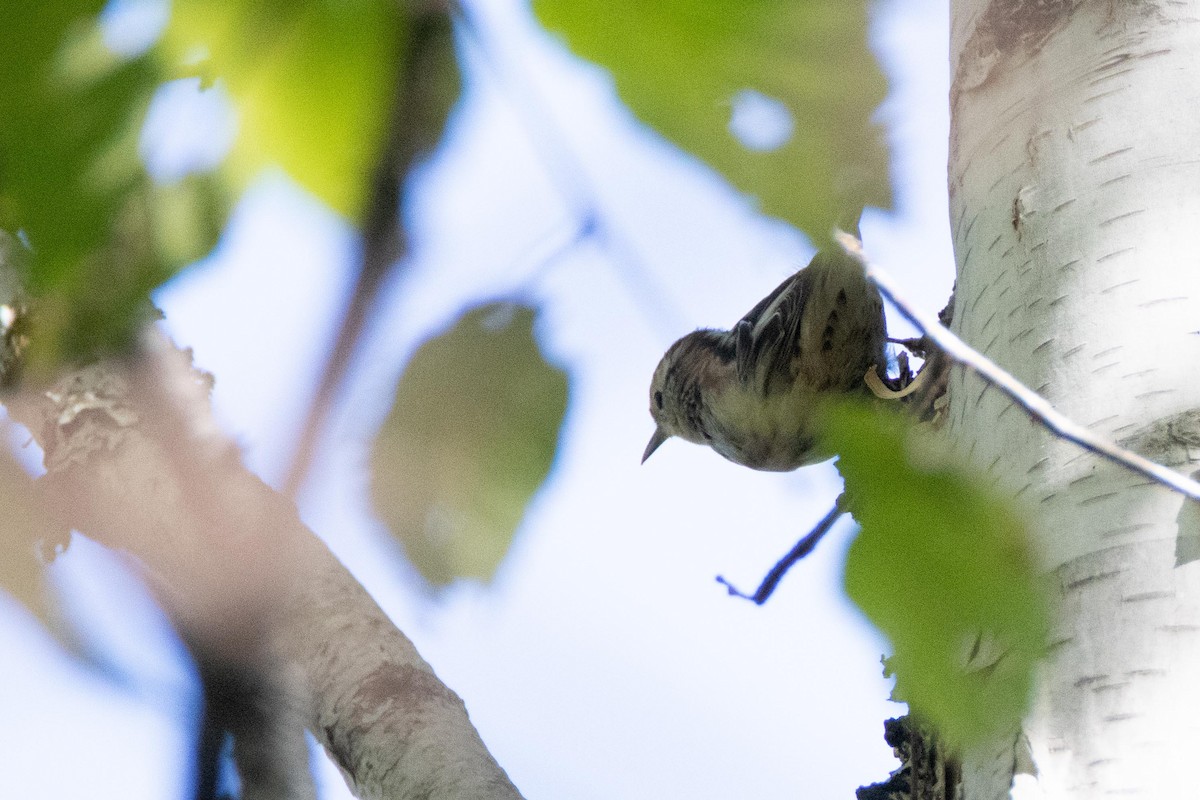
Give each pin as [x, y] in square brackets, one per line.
[657, 439]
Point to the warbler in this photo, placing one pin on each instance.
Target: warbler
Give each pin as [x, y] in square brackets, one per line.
[751, 393]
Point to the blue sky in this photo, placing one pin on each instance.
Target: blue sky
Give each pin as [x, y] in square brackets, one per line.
[603, 661]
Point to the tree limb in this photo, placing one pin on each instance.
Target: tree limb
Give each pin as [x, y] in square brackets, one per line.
[135, 460]
[414, 126]
[1033, 403]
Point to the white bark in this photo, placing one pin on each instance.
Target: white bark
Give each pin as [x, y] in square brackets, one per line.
[1075, 205]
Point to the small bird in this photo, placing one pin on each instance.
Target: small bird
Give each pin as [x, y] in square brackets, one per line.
[751, 393]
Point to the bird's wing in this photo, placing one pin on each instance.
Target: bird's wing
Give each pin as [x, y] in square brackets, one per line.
[768, 337]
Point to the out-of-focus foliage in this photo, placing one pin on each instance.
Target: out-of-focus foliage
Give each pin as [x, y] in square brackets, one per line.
[682, 65]
[471, 436]
[313, 83]
[71, 181]
[945, 571]
[1187, 541]
[22, 526]
[14, 309]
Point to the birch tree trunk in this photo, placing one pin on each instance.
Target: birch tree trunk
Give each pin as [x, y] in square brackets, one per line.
[1075, 204]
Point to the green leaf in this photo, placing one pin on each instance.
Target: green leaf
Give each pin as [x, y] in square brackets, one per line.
[944, 569]
[313, 83]
[471, 436]
[54, 120]
[72, 181]
[1187, 541]
[681, 64]
[23, 527]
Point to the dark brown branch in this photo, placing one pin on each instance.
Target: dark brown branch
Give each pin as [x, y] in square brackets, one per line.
[413, 127]
[927, 771]
[801, 549]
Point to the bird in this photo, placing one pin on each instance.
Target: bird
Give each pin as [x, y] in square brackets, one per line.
[752, 393]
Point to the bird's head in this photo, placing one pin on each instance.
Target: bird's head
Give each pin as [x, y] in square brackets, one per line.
[699, 360]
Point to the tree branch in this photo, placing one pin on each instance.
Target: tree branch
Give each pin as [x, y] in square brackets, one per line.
[413, 127]
[1033, 403]
[798, 551]
[135, 460]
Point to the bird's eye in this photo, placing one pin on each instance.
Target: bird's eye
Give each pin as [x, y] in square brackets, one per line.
[658, 400]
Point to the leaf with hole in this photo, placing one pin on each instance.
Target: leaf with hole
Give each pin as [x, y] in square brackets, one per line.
[313, 84]
[776, 96]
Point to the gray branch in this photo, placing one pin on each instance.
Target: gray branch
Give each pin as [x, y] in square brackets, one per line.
[1034, 404]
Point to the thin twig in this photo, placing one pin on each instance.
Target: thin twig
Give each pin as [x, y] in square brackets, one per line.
[799, 551]
[1033, 403]
[567, 174]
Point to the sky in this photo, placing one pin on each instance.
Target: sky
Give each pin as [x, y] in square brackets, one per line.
[603, 661]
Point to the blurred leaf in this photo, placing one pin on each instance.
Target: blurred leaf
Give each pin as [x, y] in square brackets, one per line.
[945, 571]
[72, 181]
[1187, 541]
[313, 82]
[683, 66]
[470, 437]
[14, 309]
[22, 529]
